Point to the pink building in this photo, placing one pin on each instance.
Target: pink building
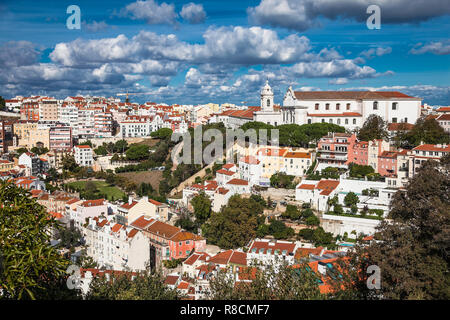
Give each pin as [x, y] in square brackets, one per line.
[334, 149]
[387, 163]
[360, 154]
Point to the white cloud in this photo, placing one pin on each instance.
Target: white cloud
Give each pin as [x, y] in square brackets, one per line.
[438, 47]
[151, 12]
[193, 13]
[338, 81]
[302, 14]
[17, 53]
[379, 51]
[95, 26]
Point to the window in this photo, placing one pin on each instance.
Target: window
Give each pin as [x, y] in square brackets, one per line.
[327, 106]
[338, 121]
[268, 102]
[406, 119]
[309, 121]
[323, 120]
[331, 121]
[316, 106]
[338, 105]
[394, 120]
[394, 105]
[354, 121]
[375, 105]
[346, 121]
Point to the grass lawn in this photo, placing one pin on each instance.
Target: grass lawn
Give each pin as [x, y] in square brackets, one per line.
[103, 187]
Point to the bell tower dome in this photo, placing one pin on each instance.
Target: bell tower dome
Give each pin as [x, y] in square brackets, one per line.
[266, 97]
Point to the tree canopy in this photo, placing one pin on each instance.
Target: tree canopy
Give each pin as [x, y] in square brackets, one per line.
[30, 267]
[373, 128]
[235, 224]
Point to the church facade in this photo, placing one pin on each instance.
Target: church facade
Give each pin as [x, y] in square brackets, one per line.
[349, 109]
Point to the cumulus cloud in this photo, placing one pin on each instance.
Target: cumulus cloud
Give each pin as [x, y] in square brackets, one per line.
[193, 13]
[379, 51]
[431, 94]
[338, 81]
[151, 12]
[18, 53]
[438, 48]
[236, 45]
[95, 26]
[302, 14]
[213, 67]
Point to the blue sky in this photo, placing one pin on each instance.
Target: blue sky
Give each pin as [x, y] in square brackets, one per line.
[223, 51]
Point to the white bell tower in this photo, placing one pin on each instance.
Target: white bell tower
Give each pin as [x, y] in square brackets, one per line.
[267, 98]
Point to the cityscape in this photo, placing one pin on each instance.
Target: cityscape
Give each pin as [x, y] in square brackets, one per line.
[189, 151]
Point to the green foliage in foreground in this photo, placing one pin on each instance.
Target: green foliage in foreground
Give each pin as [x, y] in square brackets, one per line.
[29, 267]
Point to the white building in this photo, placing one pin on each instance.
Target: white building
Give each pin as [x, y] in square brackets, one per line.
[115, 246]
[83, 155]
[271, 252]
[348, 108]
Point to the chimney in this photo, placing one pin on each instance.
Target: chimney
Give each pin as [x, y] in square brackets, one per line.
[130, 200]
[145, 198]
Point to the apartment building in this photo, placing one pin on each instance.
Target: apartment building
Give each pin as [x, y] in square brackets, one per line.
[425, 152]
[334, 149]
[60, 138]
[150, 208]
[115, 246]
[168, 242]
[83, 155]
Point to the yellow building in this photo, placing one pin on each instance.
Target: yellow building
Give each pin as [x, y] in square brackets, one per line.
[29, 135]
[6, 165]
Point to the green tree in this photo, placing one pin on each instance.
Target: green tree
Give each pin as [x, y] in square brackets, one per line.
[69, 164]
[30, 267]
[373, 128]
[137, 152]
[427, 131]
[292, 212]
[163, 133]
[282, 283]
[351, 199]
[235, 224]
[123, 286]
[312, 221]
[2, 104]
[202, 207]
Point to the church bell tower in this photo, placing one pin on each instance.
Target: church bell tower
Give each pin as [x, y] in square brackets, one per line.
[267, 98]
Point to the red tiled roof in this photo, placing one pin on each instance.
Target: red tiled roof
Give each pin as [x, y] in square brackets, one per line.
[171, 279]
[444, 117]
[228, 166]
[93, 203]
[306, 186]
[348, 95]
[327, 186]
[238, 182]
[400, 126]
[83, 147]
[249, 160]
[272, 152]
[142, 222]
[433, 147]
[305, 155]
[225, 172]
[281, 246]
